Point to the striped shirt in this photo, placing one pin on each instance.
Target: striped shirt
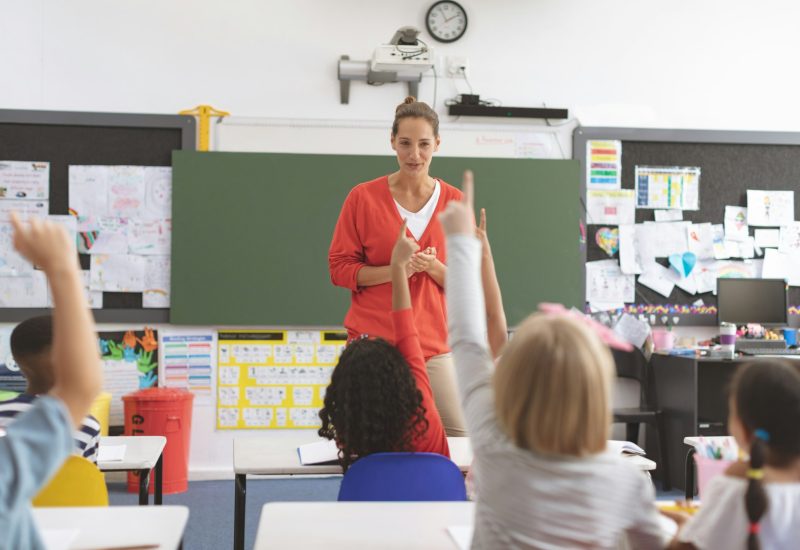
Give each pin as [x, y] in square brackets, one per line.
[527, 500]
[87, 438]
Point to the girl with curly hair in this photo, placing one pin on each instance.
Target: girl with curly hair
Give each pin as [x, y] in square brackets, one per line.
[380, 397]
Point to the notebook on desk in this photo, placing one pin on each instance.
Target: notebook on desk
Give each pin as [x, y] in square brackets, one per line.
[319, 452]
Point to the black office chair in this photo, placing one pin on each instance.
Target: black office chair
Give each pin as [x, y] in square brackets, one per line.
[633, 365]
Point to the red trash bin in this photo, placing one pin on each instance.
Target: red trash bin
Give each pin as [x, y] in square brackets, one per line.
[167, 412]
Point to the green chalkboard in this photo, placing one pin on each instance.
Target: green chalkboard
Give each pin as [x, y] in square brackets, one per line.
[251, 233]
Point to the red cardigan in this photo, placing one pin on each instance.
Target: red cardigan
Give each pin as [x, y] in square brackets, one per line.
[365, 235]
[433, 440]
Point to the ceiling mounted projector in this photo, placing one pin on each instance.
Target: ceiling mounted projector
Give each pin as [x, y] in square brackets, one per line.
[404, 59]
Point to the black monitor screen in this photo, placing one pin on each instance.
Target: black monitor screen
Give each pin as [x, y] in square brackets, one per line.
[761, 301]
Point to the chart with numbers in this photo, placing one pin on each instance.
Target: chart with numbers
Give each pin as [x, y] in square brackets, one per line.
[274, 379]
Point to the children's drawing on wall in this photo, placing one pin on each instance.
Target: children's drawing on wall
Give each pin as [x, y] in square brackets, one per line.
[130, 362]
[770, 208]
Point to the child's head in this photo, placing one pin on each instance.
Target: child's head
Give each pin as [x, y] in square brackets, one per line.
[764, 417]
[372, 404]
[552, 387]
[31, 343]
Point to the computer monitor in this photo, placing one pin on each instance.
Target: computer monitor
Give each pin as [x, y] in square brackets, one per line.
[742, 301]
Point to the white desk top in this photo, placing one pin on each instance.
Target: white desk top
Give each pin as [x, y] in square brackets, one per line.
[141, 452]
[114, 526]
[265, 456]
[348, 525]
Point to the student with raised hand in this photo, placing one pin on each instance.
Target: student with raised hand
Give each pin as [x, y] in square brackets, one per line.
[756, 504]
[380, 398]
[37, 443]
[539, 422]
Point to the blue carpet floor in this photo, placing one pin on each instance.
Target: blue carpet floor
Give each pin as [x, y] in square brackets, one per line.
[210, 505]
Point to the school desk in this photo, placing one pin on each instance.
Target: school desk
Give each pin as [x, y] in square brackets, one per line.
[348, 525]
[115, 526]
[266, 456]
[143, 453]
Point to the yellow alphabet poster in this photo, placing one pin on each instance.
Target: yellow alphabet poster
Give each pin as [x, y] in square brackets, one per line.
[274, 379]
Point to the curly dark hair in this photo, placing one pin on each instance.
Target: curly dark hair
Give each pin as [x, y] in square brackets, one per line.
[372, 404]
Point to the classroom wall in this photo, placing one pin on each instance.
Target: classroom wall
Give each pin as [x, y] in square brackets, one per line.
[711, 64]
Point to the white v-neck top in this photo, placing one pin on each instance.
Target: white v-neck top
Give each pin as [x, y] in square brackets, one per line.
[417, 222]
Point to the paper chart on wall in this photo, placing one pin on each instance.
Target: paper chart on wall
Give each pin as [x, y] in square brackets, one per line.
[188, 362]
[118, 273]
[156, 281]
[606, 283]
[141, 192]
[612, 207]
[736, 228]
[25, 209]
[24, 180]
[102, 235]
[770, 208]
[274, 378]
[667, 187]
[603, 164]
[28, 291]
[130, 362]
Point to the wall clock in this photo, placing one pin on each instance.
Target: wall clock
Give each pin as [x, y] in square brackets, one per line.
[446, 21]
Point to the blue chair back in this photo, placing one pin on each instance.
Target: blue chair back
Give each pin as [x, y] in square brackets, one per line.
[403, 477]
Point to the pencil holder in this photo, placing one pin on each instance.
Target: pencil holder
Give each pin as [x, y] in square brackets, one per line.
[708, 469]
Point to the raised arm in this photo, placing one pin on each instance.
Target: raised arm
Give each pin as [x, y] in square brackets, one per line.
[496, 325]
[466, 316]
[76, 358]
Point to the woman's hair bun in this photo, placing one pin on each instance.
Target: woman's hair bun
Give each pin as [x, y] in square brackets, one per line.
[409, 99]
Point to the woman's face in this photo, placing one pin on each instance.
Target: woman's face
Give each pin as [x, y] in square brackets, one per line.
[414, 145]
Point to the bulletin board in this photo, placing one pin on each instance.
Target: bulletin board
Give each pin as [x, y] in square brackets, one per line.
[730, 162]
[78, 138]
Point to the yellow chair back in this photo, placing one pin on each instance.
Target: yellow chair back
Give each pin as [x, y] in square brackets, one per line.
[100, 410]
[77, 483]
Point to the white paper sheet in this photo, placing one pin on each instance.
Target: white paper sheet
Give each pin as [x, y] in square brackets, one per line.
[461, 535]
[24, 209]
[718, 236]
[58, 539]
[118, 273]
[701, 240]
[657, 277]
[736, 228]
[668, 215]
[156, 281]
[606, 283]
[667, 187]
[766, 238]
[24, 291]
[94, 297]
[770, 208]
[789, 238]
[630, 260]
[611, 207]
[662, 239]
[158, 192]
[24, 180]
[150, 237]
[103, 235]
[776, 264]
[705, 276]
[632, 330]
[120, 191]
[87, 191]
[12, 264]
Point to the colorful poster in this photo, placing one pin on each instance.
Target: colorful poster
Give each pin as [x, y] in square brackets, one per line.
[189, 361]
[24, 180]
[274, 378]
[130, 362]
[11, 378]
[770, 208]
[670, 187]
[603, 164]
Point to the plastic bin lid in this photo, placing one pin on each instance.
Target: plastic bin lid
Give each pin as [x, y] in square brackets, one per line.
[159, 394]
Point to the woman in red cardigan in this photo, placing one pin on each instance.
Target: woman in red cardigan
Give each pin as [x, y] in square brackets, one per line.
[362, 246]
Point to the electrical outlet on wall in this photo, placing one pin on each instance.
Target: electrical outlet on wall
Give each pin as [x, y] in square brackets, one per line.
[457, 66]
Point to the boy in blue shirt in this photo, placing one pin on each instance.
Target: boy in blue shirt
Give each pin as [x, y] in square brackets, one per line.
[36, 444]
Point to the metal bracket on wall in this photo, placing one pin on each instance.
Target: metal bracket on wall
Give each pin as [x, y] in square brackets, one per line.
[360, 70]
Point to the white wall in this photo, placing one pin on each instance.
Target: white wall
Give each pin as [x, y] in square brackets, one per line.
[702, 64]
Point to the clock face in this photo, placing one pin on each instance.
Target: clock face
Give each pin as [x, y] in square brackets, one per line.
[446, 21]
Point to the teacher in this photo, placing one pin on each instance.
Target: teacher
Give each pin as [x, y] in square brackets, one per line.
[362, 244]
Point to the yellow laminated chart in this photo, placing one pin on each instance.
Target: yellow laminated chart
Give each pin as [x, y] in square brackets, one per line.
[667, 187]
[274, 379]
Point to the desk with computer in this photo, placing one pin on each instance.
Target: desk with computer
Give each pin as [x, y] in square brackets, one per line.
[692, 391]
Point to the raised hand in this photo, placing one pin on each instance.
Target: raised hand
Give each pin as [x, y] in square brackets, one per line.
[404, 248]
[459, 216]
[45, 243]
